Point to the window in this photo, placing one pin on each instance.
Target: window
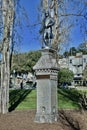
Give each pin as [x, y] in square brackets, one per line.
[70, 60]
[84, 60]
[78, 74]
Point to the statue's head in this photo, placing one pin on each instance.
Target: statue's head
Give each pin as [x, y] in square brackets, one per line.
[46, 13]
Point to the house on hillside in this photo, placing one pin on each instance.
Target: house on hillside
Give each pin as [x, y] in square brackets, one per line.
[76, 64]
[63, 63]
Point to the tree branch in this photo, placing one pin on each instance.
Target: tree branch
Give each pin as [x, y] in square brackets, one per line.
[81, 15]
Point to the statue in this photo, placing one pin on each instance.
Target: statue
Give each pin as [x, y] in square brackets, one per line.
[47, 30]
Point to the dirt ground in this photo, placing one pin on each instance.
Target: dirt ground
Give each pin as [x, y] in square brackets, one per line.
[24, 120]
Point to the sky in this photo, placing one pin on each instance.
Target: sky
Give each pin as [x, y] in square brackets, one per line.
[30, 40]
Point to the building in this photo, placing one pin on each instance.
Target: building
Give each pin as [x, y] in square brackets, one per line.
[63, 63]
[76, 64]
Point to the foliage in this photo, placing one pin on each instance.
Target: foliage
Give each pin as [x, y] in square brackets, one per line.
[24, 62]
[72, 51]
[83, 48]
[65, 76]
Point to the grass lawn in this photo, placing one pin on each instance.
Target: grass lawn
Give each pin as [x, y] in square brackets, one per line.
[22, 99]
[29, 102]
[26, 99]
[68, 99]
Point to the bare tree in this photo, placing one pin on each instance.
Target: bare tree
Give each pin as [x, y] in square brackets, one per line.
[8, 15]
[10, 37]
[18, 21]
[67, 14]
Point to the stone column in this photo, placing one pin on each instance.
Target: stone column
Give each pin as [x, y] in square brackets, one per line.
[46, 70]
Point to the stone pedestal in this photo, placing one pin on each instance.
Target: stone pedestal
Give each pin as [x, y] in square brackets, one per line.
[46, 70]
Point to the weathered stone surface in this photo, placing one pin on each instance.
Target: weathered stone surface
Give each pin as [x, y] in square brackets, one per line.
[47, 60]
[46, 74]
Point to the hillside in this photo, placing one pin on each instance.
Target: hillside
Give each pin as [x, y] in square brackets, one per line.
[24, 62]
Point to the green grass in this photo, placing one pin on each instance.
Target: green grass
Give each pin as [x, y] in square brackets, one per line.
[26, 99]
[29, 102]
[22, 99]
[68, 99]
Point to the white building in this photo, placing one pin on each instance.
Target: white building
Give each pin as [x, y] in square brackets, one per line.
[75, 63]
[63, 63]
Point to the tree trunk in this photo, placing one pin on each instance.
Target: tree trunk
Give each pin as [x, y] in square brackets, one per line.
[54, 12]
[45, 5]
[7, 8]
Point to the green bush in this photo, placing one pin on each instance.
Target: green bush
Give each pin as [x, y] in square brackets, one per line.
[65, 76]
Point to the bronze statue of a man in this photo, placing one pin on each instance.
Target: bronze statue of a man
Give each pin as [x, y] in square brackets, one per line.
[47, 31]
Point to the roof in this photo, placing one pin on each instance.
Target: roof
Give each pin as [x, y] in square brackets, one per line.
[47, 61]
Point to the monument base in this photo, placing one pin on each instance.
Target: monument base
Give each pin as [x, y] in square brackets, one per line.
[46, 70]
[46, 118]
